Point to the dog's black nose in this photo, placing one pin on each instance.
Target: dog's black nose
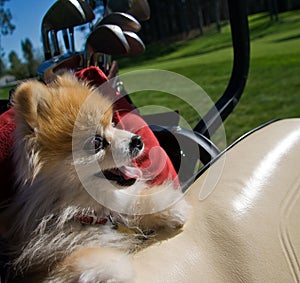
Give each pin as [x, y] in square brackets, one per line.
[136, 145]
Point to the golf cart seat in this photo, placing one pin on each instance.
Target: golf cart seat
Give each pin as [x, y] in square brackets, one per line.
[244, 222]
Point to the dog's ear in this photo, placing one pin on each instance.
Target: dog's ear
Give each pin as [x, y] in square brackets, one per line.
[30, 99]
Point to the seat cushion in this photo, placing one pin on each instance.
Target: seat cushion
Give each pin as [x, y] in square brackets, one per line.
[244, 222]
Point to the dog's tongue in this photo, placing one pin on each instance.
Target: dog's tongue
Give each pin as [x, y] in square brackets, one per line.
[131, 172]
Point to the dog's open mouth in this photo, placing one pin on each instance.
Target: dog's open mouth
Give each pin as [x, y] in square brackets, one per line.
[124, 176]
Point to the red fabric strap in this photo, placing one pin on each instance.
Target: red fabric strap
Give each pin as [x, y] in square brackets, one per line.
[7, 126]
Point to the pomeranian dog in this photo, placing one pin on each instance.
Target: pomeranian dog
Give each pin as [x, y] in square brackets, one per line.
[72, 220]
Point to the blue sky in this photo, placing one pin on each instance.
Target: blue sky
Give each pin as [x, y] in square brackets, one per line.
[27, 17]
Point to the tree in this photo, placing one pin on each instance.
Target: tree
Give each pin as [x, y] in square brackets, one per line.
[273, 10]
[6, 26]
[2, 66]
[17, 68]
[31, 62]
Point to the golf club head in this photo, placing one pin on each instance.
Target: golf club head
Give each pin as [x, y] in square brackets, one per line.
[119, 6]
[140, 10]
[108, 39]
[48, 70]
[135, 43]
[123, 20]
[64, 14]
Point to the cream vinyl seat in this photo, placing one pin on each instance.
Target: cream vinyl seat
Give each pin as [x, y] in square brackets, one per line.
[244, 223]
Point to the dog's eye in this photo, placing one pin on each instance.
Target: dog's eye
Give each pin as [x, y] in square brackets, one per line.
[95, 144]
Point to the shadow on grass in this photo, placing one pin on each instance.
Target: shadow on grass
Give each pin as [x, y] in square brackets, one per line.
[167, 47]
[260, 26]
[158, 51]
[261, 30]
[287, 38]
[205, 51]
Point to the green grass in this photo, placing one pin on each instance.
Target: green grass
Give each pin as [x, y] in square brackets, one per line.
[4, 92]
[273, 87]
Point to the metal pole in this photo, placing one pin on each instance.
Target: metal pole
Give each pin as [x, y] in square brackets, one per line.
[241, 49]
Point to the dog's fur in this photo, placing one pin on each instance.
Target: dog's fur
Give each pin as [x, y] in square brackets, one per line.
[45, 240]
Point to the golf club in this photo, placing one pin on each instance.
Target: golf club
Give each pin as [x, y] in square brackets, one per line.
[107, 39]
[101, 60]
[69, 61]
[66, 40]
[54, 38]
[119, 6]
[135, 43]
[124, 21]
[75, 12]
[139, 9]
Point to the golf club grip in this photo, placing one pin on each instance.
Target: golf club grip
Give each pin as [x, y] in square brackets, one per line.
[66, 39]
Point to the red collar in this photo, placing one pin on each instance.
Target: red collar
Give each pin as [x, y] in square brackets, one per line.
[90, 219]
